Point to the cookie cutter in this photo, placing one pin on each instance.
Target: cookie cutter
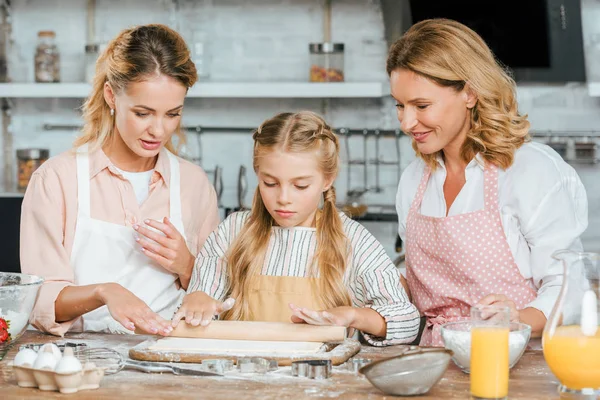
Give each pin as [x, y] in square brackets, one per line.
[257, 365]
[313, 369]
[217, 365]
[354, 364]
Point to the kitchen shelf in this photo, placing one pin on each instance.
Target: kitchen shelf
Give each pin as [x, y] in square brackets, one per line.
[594, 89]
[215, 90]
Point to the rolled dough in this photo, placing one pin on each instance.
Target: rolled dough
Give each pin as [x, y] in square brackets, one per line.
[239, 347]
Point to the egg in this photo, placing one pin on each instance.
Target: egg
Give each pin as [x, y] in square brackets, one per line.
[25, 358]
[68, 364]
[54, 349]
[45, 360]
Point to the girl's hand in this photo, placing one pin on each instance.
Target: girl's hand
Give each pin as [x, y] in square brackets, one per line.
[198, 308]
[130, 311]
[339, 316]
[501, 300]
[168, 249]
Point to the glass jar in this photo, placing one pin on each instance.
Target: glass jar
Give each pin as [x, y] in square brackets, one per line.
[326, 62]
[28, 161]
[200, 54]
[571, 338]
[91, 55]
[47, 58]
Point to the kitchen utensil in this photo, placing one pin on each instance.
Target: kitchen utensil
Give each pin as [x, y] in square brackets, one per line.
[253, 365]
[457, 337]
[571, 338]
[218, 365]
[218, 183]
[354, 204]
[338, 353]
[377, 162]
[264, 331]
[17, 296]
[114, 362]
[398, 135]
[61, 346]
[242, 187]
[411, 373]
[313, 369]
[355, 364]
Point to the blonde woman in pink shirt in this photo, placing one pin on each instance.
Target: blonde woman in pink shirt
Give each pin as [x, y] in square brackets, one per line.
[112, 224]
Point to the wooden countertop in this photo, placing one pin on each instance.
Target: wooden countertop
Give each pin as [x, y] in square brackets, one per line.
[530, 379]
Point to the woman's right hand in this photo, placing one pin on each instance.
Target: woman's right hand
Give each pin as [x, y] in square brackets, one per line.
[130, 311]
[198, 308]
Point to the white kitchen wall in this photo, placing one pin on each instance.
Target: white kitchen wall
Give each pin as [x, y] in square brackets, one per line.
[267, 40]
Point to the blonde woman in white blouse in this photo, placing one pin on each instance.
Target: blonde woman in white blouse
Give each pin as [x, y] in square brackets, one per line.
[482, 208]
[288, 260]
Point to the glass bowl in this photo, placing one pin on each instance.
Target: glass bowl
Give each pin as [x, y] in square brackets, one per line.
[17, 296]
[457, 337]
[411, 373]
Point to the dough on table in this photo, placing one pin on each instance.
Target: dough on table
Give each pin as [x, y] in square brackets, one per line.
[245, 347]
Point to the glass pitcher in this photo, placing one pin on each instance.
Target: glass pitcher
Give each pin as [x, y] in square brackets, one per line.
[571, 338]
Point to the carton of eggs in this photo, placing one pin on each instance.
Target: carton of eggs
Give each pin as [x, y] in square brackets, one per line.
[50, 370]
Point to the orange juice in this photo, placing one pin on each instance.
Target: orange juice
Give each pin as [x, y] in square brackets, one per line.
[573, 357]
[489, 362]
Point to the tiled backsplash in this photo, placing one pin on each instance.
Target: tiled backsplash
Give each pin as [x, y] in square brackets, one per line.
[267, 40]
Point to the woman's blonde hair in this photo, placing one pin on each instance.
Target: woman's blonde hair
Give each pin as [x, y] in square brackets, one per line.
[292, 132]
[133, 56]
[453, 55]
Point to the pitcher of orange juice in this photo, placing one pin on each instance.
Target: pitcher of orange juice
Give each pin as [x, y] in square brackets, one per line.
[571, 338]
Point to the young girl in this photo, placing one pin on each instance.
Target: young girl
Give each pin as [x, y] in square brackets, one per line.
[287, 259]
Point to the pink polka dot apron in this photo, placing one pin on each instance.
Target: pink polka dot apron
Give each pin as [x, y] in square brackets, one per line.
[453, 262]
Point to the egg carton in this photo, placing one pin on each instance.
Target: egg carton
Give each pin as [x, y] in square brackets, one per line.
[49, 370]
[48, 380]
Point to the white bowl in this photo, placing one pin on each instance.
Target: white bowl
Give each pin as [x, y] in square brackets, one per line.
[457, 337]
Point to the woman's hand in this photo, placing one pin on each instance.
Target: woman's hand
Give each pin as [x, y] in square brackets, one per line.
[168, 249]
[529, 315]
[130, 311]
[339, 316]
[198, 308]
[500, 300]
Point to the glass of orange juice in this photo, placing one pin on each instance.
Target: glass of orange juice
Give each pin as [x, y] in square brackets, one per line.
[489, 352]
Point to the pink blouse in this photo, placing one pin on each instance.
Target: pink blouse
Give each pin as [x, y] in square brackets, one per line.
[49, 215]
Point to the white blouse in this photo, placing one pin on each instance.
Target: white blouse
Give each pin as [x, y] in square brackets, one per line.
[543, 207]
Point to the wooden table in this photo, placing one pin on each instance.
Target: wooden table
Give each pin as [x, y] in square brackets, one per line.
[530, 379]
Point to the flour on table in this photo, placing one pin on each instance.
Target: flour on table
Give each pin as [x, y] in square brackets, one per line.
[245, 347]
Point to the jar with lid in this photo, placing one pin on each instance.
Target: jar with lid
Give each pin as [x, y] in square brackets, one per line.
[326, 62]
[47, 58]
[28, 161]
[200, 53]
[91, 55]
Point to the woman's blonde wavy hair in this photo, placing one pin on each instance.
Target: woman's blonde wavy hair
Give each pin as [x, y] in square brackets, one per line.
[133, 56]
[453, 55]
[292, 132]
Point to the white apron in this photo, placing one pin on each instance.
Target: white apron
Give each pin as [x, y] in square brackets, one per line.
[106, 252]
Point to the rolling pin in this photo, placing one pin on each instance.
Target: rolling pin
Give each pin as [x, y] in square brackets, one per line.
[263, 331]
